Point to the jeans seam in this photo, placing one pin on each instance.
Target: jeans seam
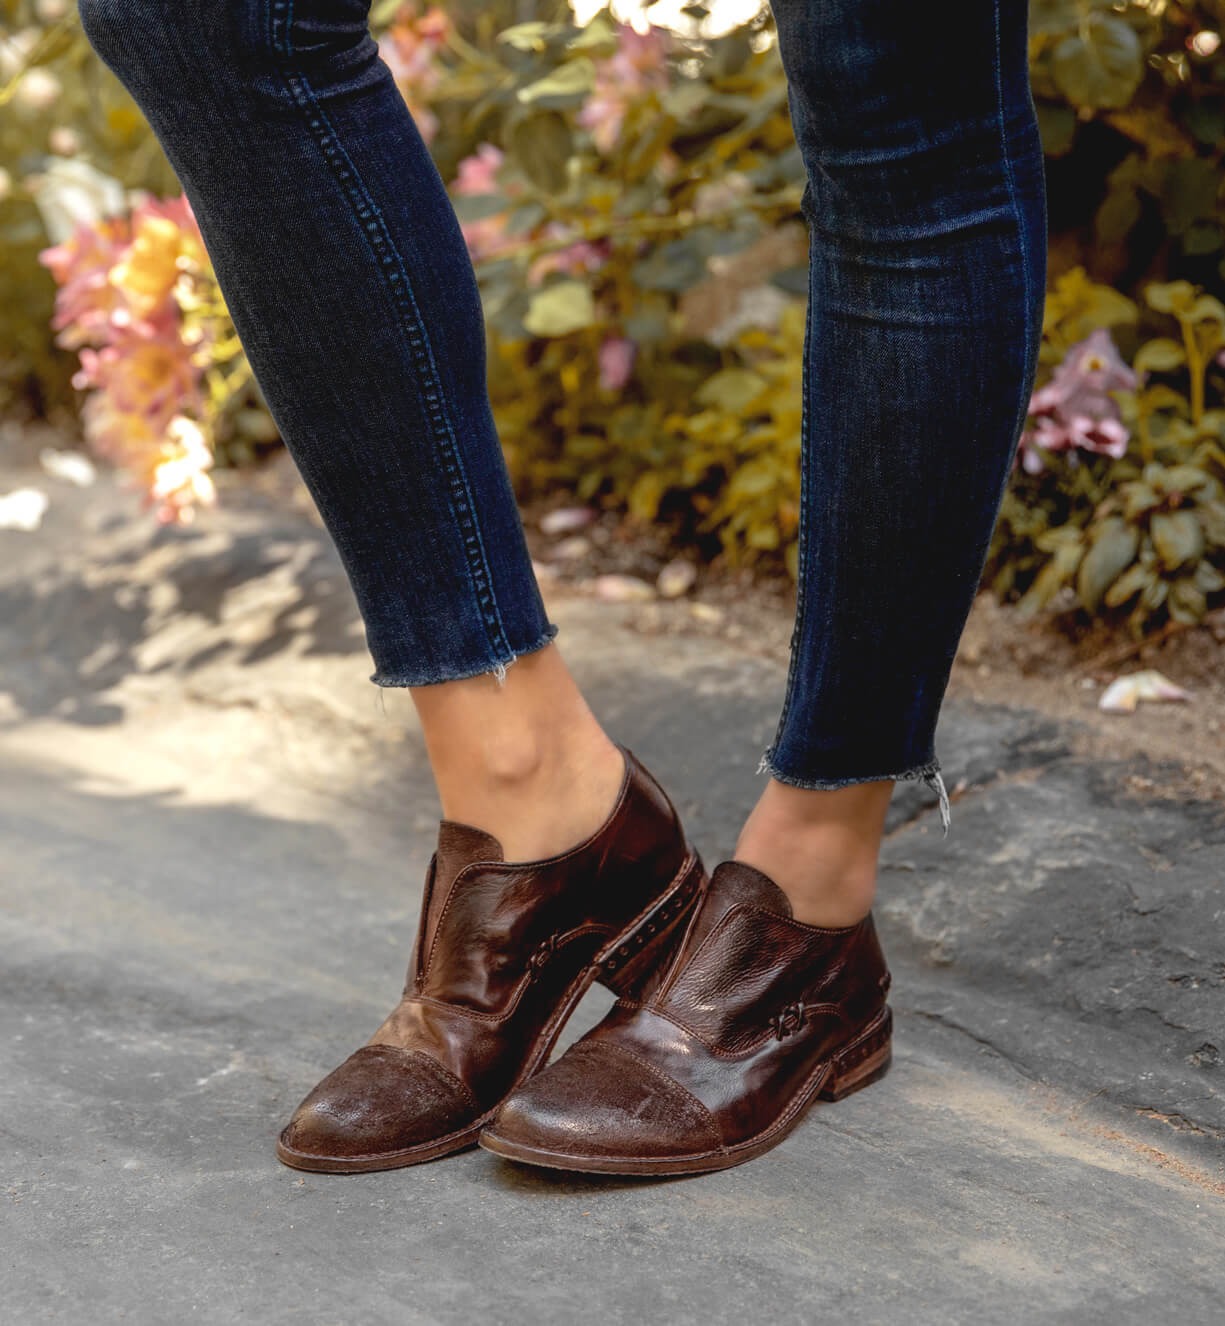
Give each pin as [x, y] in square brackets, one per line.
[371, 222]
[1019, 213]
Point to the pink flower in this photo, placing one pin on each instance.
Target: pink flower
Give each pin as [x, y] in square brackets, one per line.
[576, 259]
[81, 267]
[152, 376]
[1074, 411]
[617, 356]
[478, 173]
[410, 49]
[1090, 370]
[637, 67]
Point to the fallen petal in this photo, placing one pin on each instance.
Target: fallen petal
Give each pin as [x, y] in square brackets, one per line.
[623, 589]
[72, 466]
[676, 578]
[566, 519]
[570, 550]
[1124, 693]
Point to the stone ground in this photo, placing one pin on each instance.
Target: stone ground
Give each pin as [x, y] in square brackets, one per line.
[212, 841]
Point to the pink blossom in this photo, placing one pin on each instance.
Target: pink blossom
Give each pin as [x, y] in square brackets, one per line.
[575, 259]
[478, 173]
[1074, 411]
[1090, 370]
[617, 356]
[638, 66]
[410, 49]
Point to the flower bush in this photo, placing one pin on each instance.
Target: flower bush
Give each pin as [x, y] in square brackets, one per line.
[630, 199]
[159, 360]
[1118, 505]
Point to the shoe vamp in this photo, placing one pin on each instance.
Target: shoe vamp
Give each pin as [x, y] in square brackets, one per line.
[744, 1091]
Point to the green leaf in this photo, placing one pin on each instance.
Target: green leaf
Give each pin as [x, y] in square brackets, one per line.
[570, 82]
[1186, 601]
[1171, 296]
[560, 309]
[1187, 479]
[532, 36]
[598, 38]
[1190, 193]
[1100, 67]
[685, 99]
[1051, 16]
[672, 267]
[1114, 548]
[1117, 216]
[1212, 522]
[1057, 125]
[1160, 355]
[1207, 308]
[1202, 236]
[1136, 578]
[1051, 579]
[384, 11]
[1178, 537]
[733, 390]
[1208, 579]
[542, 144]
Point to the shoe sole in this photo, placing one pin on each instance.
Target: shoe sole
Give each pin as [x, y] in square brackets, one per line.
[619, 965]
[860, 1062]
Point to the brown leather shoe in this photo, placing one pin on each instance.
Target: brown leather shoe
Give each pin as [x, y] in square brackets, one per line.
[504, 951]
[714, 1062]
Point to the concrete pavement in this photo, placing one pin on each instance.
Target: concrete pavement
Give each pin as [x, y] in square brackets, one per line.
[212, 842]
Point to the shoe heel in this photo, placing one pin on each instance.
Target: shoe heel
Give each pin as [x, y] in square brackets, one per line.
[631, 957]
[861, 1064]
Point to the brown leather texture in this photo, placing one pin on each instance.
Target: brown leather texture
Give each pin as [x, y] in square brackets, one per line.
[504, 950]
[754, 1016]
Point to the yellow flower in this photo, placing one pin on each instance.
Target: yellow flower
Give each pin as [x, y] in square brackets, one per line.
[147, 273]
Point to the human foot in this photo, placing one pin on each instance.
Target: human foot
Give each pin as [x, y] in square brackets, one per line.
[504, 951]
[753, 1018]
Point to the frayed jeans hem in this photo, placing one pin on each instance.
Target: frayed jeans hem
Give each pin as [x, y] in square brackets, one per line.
[497, 668]
[929, 773]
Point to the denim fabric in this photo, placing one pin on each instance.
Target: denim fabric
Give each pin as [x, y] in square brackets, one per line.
[342, 263]
[926, 205]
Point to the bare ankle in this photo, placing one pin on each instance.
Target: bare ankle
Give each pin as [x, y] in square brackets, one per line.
[820, 847]
[526, 761]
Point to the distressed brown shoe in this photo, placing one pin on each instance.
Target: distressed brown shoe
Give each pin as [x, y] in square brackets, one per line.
[504, 951]
[715, 1060]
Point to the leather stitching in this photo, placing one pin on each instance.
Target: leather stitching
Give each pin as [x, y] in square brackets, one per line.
[448, 1078]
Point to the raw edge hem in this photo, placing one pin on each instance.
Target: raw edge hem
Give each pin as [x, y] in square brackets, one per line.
[498, 669]
[929, 773]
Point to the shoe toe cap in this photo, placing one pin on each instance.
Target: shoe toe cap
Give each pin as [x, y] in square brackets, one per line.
[381, 1100]
[597, 1101]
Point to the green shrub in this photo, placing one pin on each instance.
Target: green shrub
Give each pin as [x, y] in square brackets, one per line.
[631, 204]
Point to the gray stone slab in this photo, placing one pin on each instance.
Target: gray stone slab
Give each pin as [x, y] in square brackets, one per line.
[210, 864]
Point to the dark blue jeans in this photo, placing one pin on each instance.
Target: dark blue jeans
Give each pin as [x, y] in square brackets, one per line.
[343, 265]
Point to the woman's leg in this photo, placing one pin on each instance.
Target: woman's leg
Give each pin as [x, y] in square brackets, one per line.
[344, 268]
[927, 209]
